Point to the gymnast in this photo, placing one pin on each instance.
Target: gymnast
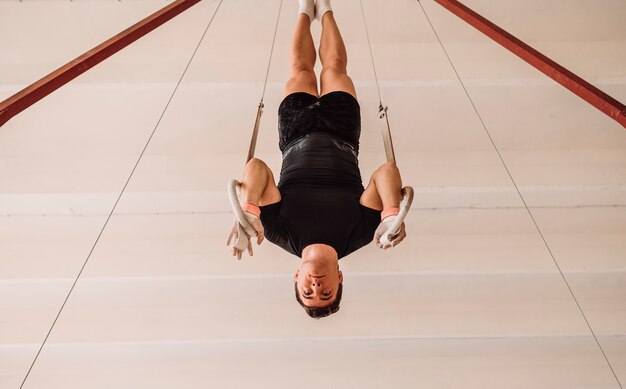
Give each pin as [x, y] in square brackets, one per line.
[319, 211]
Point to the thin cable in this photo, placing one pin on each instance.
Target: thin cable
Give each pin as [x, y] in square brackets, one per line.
[259, 112]
[121, 194]
[380, 99]
[269, 63]
[518, 191]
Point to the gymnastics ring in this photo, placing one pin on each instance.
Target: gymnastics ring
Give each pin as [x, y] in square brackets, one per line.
[245, 230]
[405, 206]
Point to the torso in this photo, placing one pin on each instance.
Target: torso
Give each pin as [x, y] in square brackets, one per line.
[320, 186]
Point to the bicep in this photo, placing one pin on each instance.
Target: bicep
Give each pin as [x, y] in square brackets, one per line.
[370, 197]
[271, 194]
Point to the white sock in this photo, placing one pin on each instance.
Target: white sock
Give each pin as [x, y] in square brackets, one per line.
[321, 7]
[307, 7]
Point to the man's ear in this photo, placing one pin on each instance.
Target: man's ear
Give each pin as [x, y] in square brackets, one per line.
[340, 277]
[295, 275]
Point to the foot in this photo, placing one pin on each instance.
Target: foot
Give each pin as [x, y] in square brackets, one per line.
[321, 7]
[307, 7]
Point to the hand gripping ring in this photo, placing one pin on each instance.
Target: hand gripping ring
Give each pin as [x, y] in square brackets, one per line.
[405, 206]
[245, 229]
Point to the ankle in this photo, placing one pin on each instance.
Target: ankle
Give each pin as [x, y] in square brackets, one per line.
[307, 7]
[322, 7]
[327, 15]
[306, 16]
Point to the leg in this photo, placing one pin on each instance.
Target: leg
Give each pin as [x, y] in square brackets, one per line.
[334, 76]
[384, 189]
[302, 59]
[258, 185]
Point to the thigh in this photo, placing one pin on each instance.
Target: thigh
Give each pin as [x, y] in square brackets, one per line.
[333, 80]
[302, 81]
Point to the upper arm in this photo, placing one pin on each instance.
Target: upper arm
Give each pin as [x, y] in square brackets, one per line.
[384, 188]
[271, 194]
[370, 197]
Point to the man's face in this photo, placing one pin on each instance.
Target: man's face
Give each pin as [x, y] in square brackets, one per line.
[318, 282]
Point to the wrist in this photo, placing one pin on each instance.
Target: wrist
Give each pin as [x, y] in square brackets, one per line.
[251, 208]
[391, 211]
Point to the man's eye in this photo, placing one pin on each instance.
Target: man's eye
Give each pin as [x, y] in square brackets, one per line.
[307, 292]
[326, 293]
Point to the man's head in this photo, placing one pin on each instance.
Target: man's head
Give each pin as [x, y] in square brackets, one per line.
[318, 281]
[319, 312]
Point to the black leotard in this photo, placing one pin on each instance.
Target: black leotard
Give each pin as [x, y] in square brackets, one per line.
[320, 181]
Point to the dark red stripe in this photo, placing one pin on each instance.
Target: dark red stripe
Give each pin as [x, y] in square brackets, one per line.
[53, 81]
[571, 81]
